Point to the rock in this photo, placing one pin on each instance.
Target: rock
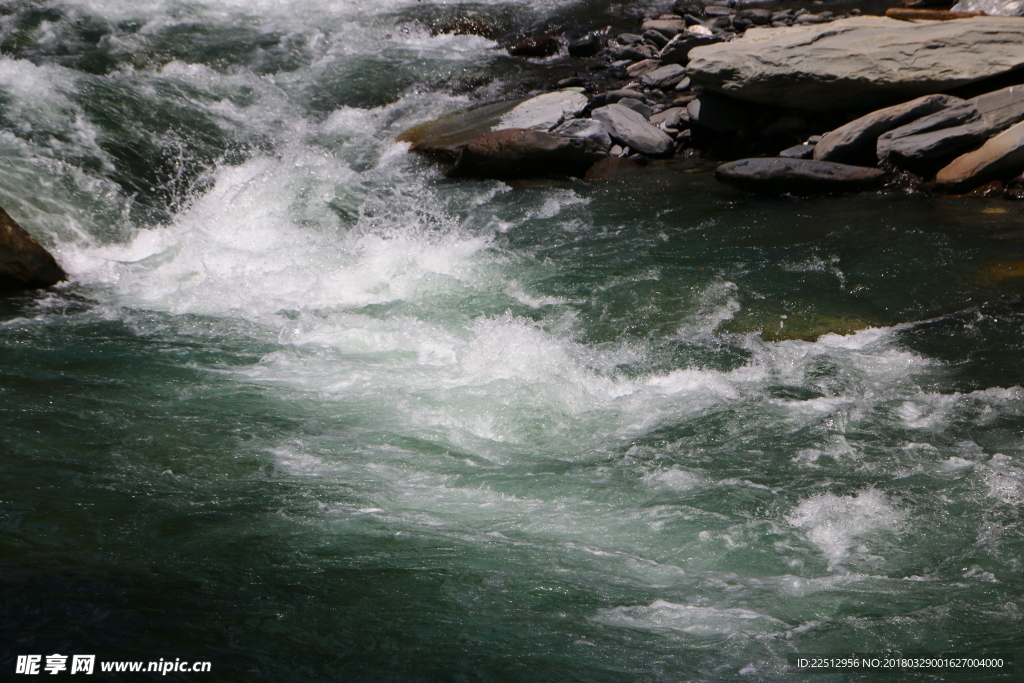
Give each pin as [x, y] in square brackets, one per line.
[640, 68]
[655, 38]
[718, 11]
[856, 140]
[447, 136]
[610, 167]
[784, 125]
[1005, 8]
[858, 62]
[683, 84]
[638, 106]
[587, 46]
[544, 46]
[585, 128]
[799, 176]
[755, 16]
[613, 96]
[666, 27]
[544, 112]
[1000, 157]
[627, 127]
[719, 114]
[670, 118]
[988, 190]
[798, 152]
[664, 76]
[933, 138]
[24, 263]
[1001, 108]
[518, 153]
[677, 51]
[629, 38]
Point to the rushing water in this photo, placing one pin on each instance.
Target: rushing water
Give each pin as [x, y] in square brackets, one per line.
[309, 411]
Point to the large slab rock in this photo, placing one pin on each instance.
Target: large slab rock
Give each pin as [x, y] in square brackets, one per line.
[1001, 108]
[447, 136]
[628, 127]
[858, 62]
[1000, 157]
[798, 176]
[520, 153]
[856, 140]
[24, 263]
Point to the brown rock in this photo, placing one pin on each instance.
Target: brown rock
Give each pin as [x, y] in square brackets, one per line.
[535, 47]
[24, 264]
[521, 153]
[610, 167]
[1002, 155]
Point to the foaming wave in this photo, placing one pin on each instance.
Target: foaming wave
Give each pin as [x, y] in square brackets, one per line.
[693, 620]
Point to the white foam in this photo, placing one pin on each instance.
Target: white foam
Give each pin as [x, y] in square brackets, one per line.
[835, 523]
[704, 622]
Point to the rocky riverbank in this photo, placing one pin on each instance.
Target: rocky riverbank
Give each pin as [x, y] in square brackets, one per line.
[793, 100]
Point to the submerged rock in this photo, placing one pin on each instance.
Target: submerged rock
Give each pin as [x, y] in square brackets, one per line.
[519, 153]
[857, 62]
[24, 263]
[798, 176]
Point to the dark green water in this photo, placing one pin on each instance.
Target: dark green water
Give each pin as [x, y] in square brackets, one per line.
[311, 412]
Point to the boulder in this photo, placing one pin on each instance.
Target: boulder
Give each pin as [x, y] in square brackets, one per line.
[858, 62]
[1001, 156]
[535, 47]
[804, 151]
[24, 263]
[519, 153]
[856, 140]
[587, 46]
[585, 128]
[639, 106]
[447, 136]
[631, 129]
[798, 176]
[1001, 108]
[667, 27]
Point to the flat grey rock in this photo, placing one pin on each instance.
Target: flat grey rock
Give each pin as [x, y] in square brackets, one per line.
[858, 62]
[670, 118]
[1001, 108]
[544, 112]
[1000, 157]
[638, 106]
[664, 76]
[631, 129]
[585, 128]
[856, 140]
[798, 152]
[799, 176]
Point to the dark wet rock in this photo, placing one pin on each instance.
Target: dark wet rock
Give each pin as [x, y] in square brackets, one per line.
[572, 82]
[629, 38]
[638, 106]
[655, 38]
[631, 53]
[718, 11]
[798, 152]
[465, 26]
[1000, 157]
[610, 167]
[613, 96]
[545, 46]
[586, 46]
[664, 76]
[759, 17]
[678, 50]
[585, 128]
[719, 114]
[858, 62]
[934, 138]
[518, 153]
[24, 263]
[856, 141]
[783, 126]
[628, 127]
[988, 190]
[798, 176]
